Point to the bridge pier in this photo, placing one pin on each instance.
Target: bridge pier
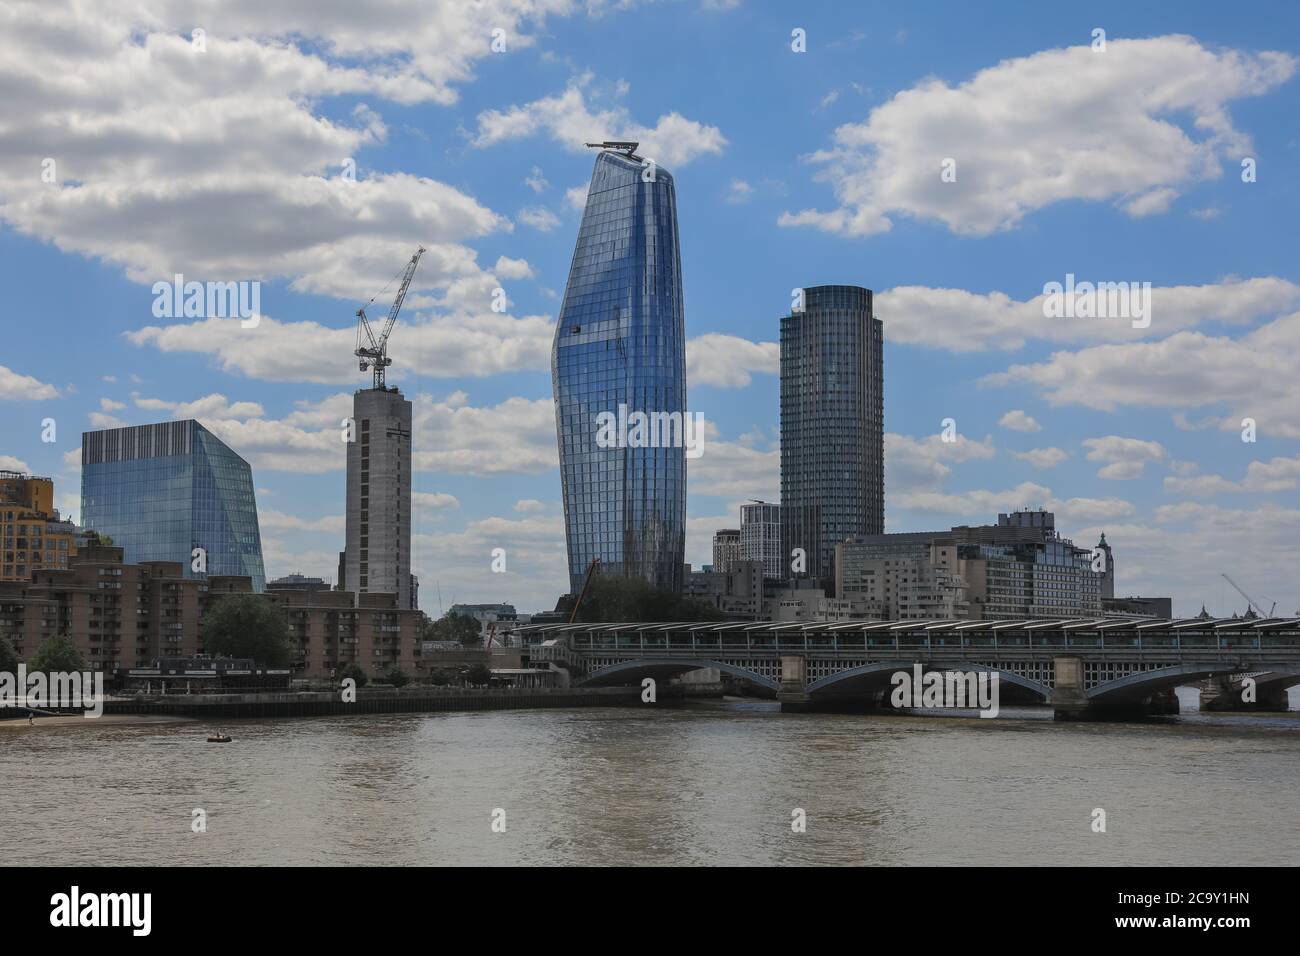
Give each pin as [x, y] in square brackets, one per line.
[793, 694]
[1226, 694]
[1069, 696]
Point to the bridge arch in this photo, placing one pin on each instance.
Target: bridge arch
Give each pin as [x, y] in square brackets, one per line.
[876, 676]
[632, 671]
[1145, 683]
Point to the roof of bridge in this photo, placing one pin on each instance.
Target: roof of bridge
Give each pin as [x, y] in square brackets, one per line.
[949, 624]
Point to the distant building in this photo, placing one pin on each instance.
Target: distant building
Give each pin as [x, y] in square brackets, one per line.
[760, 537]
[1159, 608]
[746, 594]
[161, 491]
[32, 535]
[298, 582]
[1019, 568]
[832, 425]
[726, 548]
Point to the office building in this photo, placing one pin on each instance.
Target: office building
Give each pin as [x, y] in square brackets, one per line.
[760, 537]
[726, 548]
[619, 350]
[832, 425]
[162, 491]
[377, 549]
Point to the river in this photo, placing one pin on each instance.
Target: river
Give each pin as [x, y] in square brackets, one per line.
[709, 782]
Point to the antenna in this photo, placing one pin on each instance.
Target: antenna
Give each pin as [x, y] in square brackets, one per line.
[619, 145]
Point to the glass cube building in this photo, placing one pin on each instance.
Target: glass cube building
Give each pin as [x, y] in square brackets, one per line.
[832, 425]
[620, 341]
[160, 491]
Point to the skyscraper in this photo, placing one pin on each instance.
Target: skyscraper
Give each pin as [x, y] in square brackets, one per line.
[620, 348]
[160, 491]
[832, 425]
[377, 551]
[726, 549]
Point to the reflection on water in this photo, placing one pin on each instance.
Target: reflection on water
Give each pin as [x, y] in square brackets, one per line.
[710, 782]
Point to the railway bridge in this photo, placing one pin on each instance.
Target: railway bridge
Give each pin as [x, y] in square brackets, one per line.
[1082, 668]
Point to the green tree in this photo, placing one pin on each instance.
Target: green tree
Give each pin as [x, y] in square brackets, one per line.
[248, 625]
[58, 654]
[439, 677]
[632, 600]
[460, 628]
[8, 657]
[355, 672]
[478, 675]
[397, 677]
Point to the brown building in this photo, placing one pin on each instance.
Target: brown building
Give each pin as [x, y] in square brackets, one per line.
[32, 535]
[129, 615]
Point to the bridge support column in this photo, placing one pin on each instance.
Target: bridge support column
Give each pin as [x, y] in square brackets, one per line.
[1223, 693]
[1069, 696]
[793, 694]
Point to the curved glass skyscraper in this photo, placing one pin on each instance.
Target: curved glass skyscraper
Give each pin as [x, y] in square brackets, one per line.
[619, 349]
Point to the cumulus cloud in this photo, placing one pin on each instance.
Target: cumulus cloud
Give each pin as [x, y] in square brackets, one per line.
[960, 321]
[568, 119]
[19, 388]
[1043, 457]
[727, 361]
[1019, 420]
[539, 217]
[1262, 477]
[1251, 376]
[1126, 457]
[1031, 131]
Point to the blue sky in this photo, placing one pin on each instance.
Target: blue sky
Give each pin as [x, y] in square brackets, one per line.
[223, 160]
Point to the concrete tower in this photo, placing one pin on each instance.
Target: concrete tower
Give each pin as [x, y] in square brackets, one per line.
[377, 555]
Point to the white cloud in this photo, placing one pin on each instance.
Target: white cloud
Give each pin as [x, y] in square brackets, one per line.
[739, 192]
[17, 388]
[539, 217]
[1126, 457]
[1018, 420]
[269, 520]
[529, 506]
[109, 405]
[1060, 124]
[727, 361]
[1279, 474]
[516, 436]
[672, 142]
[962, 321]
[507, 268]
[1043, 457]
[536, 181]
[1252, 376]
[10, 463]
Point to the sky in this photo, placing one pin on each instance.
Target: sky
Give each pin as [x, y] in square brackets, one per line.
[954, 161]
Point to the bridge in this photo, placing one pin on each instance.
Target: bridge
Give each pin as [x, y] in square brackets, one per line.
[1082, 668]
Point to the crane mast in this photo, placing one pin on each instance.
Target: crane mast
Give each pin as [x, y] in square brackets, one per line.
[372, 350]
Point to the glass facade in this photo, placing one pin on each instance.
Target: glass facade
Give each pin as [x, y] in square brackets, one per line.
[159, 491]
[620, 342]
[832, 425]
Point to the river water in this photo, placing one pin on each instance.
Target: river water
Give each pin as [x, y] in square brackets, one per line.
[709, 782]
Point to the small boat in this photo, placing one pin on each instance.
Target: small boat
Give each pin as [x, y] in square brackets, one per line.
[219, 738]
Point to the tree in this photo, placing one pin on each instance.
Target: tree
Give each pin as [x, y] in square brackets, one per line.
[460, 628]
[440, 677]
[618, 599]
[58, 654]
[397, 677]
[8, 658]
[355, 672]
[248, 625]
[478, 675]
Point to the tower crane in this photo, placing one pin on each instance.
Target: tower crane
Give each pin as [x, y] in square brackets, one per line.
[372, 351]
[1251, 601]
